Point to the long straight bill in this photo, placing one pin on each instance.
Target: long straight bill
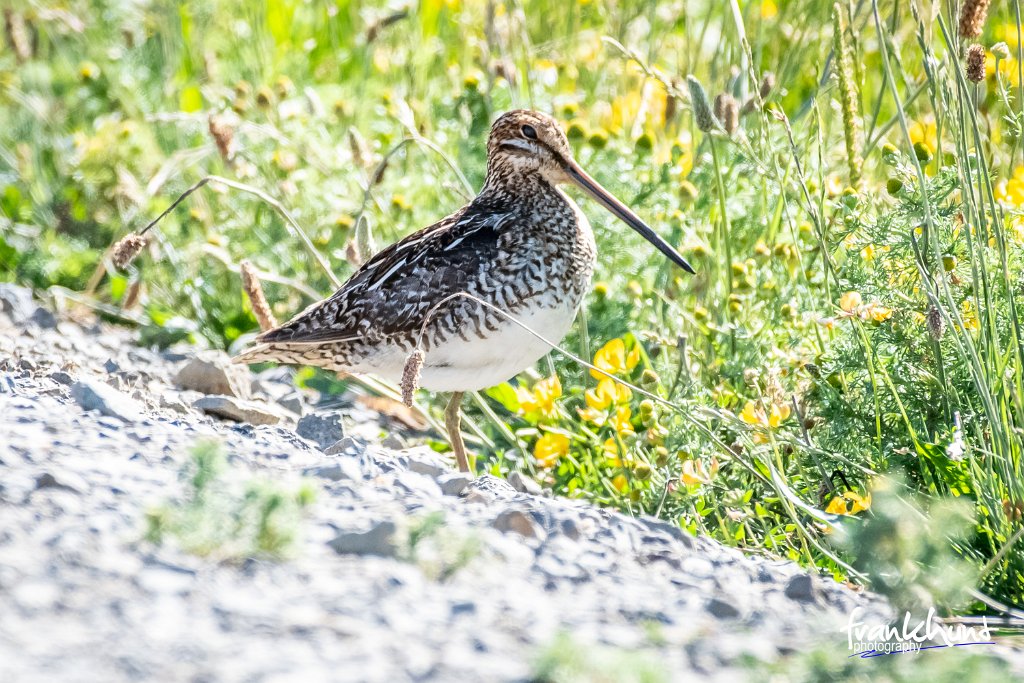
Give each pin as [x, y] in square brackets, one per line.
[623, 212]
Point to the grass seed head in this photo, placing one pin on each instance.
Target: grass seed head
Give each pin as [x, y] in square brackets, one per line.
[936, 323]
[254, 290]
[411, 376]
[975, 63]
[727, 110]
[127, 249]
[972, 17]
[702, 113]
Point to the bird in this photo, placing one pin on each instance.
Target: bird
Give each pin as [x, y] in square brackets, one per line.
[522, 246]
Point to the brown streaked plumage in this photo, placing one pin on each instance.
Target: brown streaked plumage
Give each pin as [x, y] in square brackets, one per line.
[521, 245]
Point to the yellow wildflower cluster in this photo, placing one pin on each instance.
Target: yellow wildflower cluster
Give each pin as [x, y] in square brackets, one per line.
[853, 306]
[857, 503]
[1010, 191]
[540, 400]
[550, 448]
[755, 415]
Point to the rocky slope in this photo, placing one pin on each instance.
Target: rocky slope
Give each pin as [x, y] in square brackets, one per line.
[403, 570]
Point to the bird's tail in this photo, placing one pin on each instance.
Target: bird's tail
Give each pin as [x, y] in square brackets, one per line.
[276, 353]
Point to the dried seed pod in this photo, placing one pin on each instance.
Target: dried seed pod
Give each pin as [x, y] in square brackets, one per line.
[727, 110]
[975, 63]
[411, 376]
[125, 251]
[936, 323]
[254, 290]
[223, 134]
[972, 17]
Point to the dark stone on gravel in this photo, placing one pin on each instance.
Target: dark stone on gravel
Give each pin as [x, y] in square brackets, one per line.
[249, 412]
[323, 429]
[454, 483]
[65, 481]
[801, 588]
[377, 540]
[517, 521]
[722, 609]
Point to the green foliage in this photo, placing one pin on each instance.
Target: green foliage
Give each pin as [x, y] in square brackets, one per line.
[566, 661]
[909, 554]
[217, 518]
[887, 308]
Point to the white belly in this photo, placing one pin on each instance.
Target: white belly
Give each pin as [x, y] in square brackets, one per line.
[459, 365]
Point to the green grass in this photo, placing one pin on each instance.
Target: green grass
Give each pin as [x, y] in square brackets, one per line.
[218, 518]
[833, 325]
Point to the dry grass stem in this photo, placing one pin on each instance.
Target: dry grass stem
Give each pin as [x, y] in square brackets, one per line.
[254, 290]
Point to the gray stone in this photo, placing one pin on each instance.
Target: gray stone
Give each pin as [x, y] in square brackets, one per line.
[488, 488]
[423, 460]
[517, 521]
[345, 467]
[346, 446]
[212, 372]
[721, 609]
[44, 318]
[67, 481]
[323, 429]
[377, 540]
[454, 483]
[62, 377]
[418, 485]
[293, 402]
[93, 395]
[524, 484]
[802, 589]
[252, 412]
[16, 302]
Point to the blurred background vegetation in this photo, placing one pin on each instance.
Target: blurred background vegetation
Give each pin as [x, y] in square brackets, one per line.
[853, 207]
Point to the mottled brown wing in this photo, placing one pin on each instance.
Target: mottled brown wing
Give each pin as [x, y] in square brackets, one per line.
[392, 292]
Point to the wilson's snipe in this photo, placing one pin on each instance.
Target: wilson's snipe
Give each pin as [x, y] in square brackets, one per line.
[521, 245]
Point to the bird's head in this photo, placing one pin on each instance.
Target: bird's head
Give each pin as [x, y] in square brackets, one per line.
[524, 142]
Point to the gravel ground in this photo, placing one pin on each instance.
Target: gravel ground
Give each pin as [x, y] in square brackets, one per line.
[95, 431]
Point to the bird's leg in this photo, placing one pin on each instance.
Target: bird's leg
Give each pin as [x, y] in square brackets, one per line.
[453, 423]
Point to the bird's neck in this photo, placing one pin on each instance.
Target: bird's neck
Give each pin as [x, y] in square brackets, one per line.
[506, 181]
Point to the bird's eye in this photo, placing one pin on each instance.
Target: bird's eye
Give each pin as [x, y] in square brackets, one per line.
[530, 132]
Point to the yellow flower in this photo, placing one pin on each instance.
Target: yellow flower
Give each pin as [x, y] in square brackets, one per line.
[858, 502]
[541, 398]
[837, 506]
[616, 458]
[620, 421]
[600, 400]
[694, 473]
[621, 483]
[877, 312]
[752, 414]
[768, 9]
[612, 359]
[778, 414]
[549, 448]
[926, 133]
[970, 318]
[850, 302]
[1010, 192]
